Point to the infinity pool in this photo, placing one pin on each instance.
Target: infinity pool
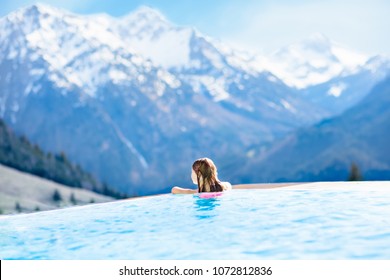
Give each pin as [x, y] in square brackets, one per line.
[280, 223]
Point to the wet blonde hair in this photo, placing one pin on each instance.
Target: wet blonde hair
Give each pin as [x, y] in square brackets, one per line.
[207, 175]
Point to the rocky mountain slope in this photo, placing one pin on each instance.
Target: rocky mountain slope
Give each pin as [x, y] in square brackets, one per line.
[326, 151]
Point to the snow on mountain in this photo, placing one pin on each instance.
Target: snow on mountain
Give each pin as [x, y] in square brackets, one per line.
[336, 89]
[77, 49]
[344, 91]
[170, 46]
[312, 61]
[195, 57]
[153, 36]
[378, 65]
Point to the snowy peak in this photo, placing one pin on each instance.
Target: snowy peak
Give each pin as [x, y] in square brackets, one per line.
[144, 23]
[314, 60]
[146, 14]
[151, 35]
[82, 51]
[173, 47]
[61, 37]
[36, 12]
[378, 63]
[42, 9]
[316, 44]
[317, 41]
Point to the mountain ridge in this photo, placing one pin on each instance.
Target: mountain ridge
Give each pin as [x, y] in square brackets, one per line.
[326, 150]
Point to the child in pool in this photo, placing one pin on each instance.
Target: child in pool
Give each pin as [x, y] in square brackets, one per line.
[204, 174]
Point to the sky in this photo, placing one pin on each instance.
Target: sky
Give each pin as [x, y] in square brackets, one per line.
[262, 26]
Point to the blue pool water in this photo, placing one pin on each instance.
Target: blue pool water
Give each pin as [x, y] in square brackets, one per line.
[240, 224]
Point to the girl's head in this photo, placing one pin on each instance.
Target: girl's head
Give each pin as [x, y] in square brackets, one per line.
[205, 175]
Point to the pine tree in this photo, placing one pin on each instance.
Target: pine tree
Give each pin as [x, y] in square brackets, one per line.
[57, 196]
[18, 208]
[354, 173]
[37, 208]
[73, 199]
[63, 156]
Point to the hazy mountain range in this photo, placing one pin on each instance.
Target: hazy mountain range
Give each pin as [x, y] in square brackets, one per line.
[136, 99]
[325, 151]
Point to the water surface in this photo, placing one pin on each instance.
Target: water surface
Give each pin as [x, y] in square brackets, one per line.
[240, 224]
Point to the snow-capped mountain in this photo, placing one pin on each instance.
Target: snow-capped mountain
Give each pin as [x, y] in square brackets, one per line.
[211, 67]
[344, 91]
[149, 33]
[78, 49]
[152, 35]
[194, 57]
[312, 61]
[326, 73]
